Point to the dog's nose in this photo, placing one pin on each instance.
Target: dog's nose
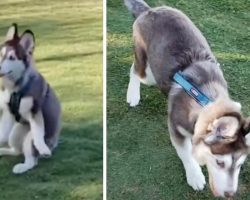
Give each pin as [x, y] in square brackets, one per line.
[229, 194]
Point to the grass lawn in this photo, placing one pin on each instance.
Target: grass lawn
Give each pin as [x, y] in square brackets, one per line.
[142, 164]
[69, 54]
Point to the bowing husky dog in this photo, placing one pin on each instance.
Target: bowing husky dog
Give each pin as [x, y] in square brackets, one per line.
[30, 121]
[167, 44]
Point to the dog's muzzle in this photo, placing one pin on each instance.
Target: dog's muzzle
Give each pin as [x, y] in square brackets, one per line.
[4, 74]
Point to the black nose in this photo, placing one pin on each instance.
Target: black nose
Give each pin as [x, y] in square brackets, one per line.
[229, 194]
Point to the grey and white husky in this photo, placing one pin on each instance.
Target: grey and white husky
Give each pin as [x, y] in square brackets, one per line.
[216, 135]
[30, 121]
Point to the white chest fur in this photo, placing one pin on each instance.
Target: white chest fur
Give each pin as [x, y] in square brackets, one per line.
[4, 99]
[24, 107]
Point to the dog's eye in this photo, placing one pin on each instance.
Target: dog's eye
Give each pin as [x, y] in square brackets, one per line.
[11, 57]
[220, 163]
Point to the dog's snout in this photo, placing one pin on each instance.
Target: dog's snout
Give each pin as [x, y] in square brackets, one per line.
[229, 194]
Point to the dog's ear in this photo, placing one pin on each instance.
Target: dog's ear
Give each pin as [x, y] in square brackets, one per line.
[246, 128]
[27, 41]
[222, 130]
[238, 105]
[12, 32]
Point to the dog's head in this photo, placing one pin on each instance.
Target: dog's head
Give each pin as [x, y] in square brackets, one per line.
[221, 142]
[16, 53]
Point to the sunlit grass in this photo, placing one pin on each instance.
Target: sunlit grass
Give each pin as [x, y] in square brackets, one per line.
[69, 54]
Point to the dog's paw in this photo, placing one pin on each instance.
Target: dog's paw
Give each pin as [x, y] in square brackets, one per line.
[44, 152]
[42, 149]
[195, 178]
[20, 168]
[133, 96]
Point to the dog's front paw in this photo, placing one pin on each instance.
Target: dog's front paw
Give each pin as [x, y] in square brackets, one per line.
[44, 152]
[20, 168]
[43, 149]
[195, 178]
[133, 96]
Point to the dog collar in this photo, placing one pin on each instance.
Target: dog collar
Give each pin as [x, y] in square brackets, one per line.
[191, 90]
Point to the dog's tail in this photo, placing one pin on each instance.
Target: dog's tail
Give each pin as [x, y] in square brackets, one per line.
[137, 7]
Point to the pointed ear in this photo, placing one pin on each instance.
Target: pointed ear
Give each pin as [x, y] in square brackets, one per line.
[27, 41]
[238, 105]
[247, 131]
[223, 130]
[12, 32]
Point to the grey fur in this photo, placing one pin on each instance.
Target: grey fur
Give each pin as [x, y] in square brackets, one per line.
[45, 100]
[168, 40]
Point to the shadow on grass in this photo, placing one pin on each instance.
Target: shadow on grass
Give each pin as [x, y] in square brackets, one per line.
[78, 159]
[63, 57]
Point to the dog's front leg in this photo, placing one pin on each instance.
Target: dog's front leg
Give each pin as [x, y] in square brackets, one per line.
[16, 138]
[6, 123]
[37, 130]
[7, 120]
[36, 125]
[30, 159]
[194, 175]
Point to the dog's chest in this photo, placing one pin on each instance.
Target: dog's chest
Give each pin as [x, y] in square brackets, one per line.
[17, 104]
[4, 99]
[14, 104]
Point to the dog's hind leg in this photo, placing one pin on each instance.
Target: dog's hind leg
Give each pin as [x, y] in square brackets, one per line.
[30, 159]
[140, 71]
[183, 146]
[137, 69]
[16, 139]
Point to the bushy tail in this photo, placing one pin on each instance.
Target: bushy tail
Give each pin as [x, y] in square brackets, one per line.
[136, 6]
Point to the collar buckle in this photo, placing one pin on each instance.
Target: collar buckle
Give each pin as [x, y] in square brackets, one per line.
[191, 90]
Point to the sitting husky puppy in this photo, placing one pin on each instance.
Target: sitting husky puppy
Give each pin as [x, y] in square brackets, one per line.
[206, 127]
[30, 121]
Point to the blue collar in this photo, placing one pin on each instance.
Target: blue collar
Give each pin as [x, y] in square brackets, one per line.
[191, 90]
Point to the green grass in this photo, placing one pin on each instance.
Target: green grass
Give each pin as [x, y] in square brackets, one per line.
[142, 164]
[69, 54]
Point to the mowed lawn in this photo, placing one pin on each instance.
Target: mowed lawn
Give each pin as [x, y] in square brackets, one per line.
[142, 164]
[69, 54]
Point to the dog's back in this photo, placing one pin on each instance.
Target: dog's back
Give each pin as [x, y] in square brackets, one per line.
[167, 40]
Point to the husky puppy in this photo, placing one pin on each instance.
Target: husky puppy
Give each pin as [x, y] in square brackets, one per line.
[30, 121]
[216, 135]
